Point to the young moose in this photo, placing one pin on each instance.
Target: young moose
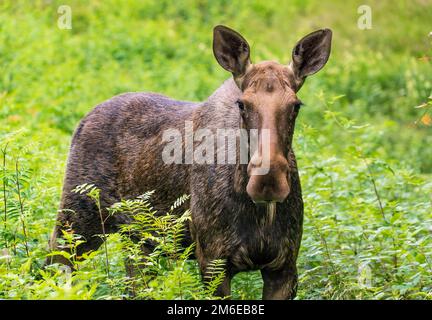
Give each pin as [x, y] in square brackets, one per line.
[250, 219]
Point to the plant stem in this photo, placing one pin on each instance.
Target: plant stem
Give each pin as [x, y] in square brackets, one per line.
[375, 189]
[4, 195]
[104, 236]
[21, 208]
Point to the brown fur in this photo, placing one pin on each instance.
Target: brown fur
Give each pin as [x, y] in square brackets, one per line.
[117, 146]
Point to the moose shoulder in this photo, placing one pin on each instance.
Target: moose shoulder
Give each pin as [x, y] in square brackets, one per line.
[246, 208]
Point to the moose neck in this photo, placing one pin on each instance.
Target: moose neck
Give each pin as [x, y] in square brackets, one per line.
[227, 94]
[220, 111]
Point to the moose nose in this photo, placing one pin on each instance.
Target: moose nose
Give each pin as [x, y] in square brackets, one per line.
[271, 186]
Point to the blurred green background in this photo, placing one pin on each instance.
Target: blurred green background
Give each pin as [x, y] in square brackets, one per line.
[359, 139]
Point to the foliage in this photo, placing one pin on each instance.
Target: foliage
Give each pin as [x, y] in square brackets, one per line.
[165, 273]
[363, 148]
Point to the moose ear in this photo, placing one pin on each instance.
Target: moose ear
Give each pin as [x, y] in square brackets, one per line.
[231, 50]
[311, 53]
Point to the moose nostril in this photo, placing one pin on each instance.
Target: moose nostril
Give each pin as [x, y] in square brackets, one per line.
[281, 164]
[268, 188]
[268, 179]
[256, 162]
[254, 167]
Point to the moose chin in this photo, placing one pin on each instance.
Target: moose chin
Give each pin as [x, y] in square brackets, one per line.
[249, 217]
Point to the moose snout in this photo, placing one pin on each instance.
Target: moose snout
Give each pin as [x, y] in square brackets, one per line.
[268, 184]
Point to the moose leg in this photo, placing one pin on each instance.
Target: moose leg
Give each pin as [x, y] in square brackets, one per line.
[138, 277]
[134, 268]
[54, 246]
[224, 289]
[92, 242]
[81, 219]
[204, 262]
[280, 284]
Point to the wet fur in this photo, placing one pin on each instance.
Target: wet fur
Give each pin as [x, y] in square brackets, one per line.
[118, 147]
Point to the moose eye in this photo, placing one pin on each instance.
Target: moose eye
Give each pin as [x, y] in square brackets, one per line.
[297, 106]
[240, 104]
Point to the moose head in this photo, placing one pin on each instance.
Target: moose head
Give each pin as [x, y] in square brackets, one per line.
[269, 103]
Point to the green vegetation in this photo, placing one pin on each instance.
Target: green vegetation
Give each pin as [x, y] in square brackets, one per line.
[363, 140]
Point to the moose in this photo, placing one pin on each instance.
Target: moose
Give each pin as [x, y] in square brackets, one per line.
[252, 220]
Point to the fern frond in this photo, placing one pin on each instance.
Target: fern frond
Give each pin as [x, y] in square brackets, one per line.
[179, 201]
[215, 275]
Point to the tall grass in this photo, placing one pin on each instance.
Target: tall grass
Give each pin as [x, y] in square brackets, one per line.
[362, 140]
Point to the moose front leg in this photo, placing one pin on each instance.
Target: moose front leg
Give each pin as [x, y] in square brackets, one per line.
[224, 289]
[279, 284]
[205, 259]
